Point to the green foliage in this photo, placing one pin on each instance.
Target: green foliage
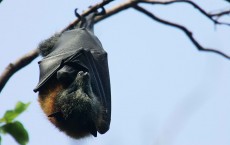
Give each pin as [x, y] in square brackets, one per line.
[10, 115]
[8, 125]
[17, 131]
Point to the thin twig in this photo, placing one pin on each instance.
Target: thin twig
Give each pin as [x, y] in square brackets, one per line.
[184, 29]
[220, 14]
[202, 11]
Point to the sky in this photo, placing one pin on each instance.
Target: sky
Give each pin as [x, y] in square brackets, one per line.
[164, 91]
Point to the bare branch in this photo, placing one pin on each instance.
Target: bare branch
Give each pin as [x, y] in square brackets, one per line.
[17, 65]
[90, 10]
[117, 9]
[201, 10]
[27, 58]
[109, 13]
[184, 29]
[220, 14]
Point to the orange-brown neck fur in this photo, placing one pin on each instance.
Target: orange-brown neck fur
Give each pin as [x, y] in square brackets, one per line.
[47, 99]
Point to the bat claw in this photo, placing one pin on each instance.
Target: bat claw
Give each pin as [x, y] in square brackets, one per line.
[80, 18]
[57, 115]
[77, 14]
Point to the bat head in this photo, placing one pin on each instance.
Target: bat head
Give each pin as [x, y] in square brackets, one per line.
[83, 81]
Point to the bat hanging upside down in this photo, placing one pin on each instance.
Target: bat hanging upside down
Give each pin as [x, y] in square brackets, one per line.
[74, 84]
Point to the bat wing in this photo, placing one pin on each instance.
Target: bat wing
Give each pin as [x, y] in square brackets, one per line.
[97, 65]
[70, 42]
[81, 49]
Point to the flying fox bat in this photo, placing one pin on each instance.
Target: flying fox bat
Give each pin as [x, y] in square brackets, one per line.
[74, 84]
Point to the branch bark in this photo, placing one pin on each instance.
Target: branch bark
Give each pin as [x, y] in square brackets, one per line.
[184, 29]
[27, 58]
[13, 67]
[201, 10]
[220, 14]
[17, 65]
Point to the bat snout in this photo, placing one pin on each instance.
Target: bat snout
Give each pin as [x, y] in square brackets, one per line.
[84, 76]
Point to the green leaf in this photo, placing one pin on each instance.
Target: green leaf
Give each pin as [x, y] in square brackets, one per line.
[17, 131]
[0, 140]
[20, 107]
[10, 115]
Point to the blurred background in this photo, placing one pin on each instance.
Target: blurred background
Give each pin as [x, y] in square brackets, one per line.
[164, 91]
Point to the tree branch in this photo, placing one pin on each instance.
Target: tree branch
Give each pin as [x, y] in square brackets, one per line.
[220, 14]
[184, 29]
[26, 59]
[201, 10]
[90, 10]
[17, 65]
